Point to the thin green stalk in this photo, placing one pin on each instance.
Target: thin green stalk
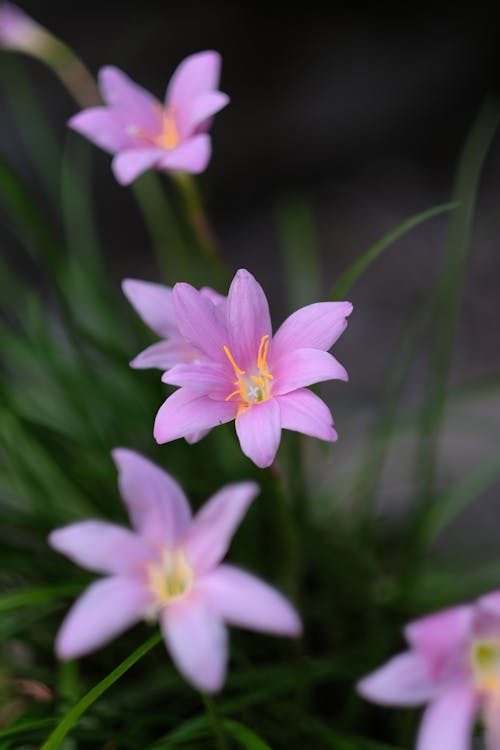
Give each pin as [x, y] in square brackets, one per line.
[291, 558]
[69, 720]
[215, 720]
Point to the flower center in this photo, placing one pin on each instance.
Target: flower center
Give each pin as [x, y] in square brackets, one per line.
[253, 387]
[169, 136]
[485, 656]
[171, 578]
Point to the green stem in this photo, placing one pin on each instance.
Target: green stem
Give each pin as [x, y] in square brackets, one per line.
[213, 715]
[69, 720]
[291, 573]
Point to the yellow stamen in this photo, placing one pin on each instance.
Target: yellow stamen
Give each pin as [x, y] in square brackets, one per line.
[171, 578]
[233, 394]
[169, 136]
[230, 357]
[259, 381]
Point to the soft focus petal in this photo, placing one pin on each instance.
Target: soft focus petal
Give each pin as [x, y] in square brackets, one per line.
[156, 504]
[301, 367]
[191, 156]
[197, 74]
[447, 723]
[316, 326]
[128, 165]
[101, 126]
[259, 432]
[198, 321]
[402, 681]
[197, 114]
[100, 546]
[195, 437]
[197, 641]
[248, 318]
[441, 639]
[154, 303]
[164, 354]
[213, 527]
[201, 377]
[185, 412]
[243, 600]
[103, 611]
[214, 297]
[138, 108]
[303, 411]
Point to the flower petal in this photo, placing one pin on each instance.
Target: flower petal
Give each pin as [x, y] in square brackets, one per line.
[103, 611]
[316, 326]
[198, 321]
[156, 504]
[128, 165]
[197, 641]
[259, 432]
[138, 107]
[201, 377]
[305, 412]
[101, 126]
[100, 546]
[197, 114]
[447, 722]
[195, 437]
[402, 681]
[248, 318]
[185, 412]
[197, 74]
[164, 354]
[243, 600]
[301, 367]
[154, 303]
[191, 156]
[213, 527]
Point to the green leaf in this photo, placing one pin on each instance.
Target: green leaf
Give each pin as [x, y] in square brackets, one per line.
[244, 736]
[300, 253]
[32, 597]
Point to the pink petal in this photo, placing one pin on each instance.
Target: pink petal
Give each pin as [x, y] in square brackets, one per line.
[164, 354]
[301, 367]
[305, 412]
[316, 326]
[402, 681]
[138, 108]
[441, 639]
[154, 303]
[448, 721]
[259, 432]
[201, 377]
[199, 323]
[248, 318]
[101, 547]
[197, 74]
[195, 437]
[213, 527]
[185, 412]
[191, 156]
[197, 641]
[156, 504]
[103, 611]
[101, 126]
[128, 165]
[214, 297]
[196, 116]
[243, 600]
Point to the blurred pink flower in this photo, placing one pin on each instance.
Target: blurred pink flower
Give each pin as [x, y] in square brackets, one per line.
[169, 567]
[145, 134]
[247, 374]
[453, 665]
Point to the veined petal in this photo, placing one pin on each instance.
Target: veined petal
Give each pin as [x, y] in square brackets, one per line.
[196, 116]
[128, 165]
[201, 377]
[197, 641]
[213, 527]
[316, 326]
[447, 722]
[165, 354]
[259, 432]
[198, 321]
[191, 156]
[302, 367]
[101, 547]
[101, 126]
[185, 412]
[154, 303]
[402, 681]
[303, 411]
[138, 107]
[103, 611]
[157, 506]
[243, 600]
[196, 75]
[248, 318]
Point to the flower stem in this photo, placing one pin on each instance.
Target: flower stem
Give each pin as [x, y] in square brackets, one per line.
[213, 715]
[292, 572]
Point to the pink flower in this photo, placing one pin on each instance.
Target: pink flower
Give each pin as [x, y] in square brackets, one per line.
[453, 665]
[169, 567]
[248, 375]
[145, 134]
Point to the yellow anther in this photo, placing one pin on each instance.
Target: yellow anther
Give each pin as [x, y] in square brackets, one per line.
[262, 355]
[259, 381]
[169, 136]
[170, 578]
[233, 394]
[230, 357]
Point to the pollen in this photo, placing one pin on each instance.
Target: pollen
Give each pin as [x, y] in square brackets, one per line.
[171, 578]
[485, 658]
[169, 136]
[253, 386]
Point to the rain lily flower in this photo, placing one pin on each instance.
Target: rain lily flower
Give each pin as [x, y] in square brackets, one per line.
[248, 374]
[453, 665]
[169, 567]
[145, 134]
